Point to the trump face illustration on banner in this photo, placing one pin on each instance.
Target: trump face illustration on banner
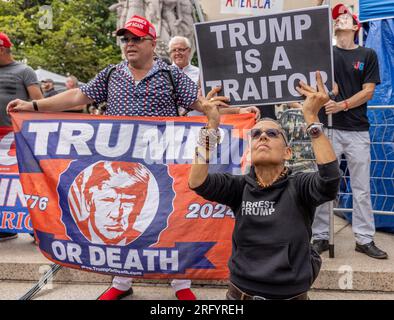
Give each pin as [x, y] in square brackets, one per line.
[113, 202]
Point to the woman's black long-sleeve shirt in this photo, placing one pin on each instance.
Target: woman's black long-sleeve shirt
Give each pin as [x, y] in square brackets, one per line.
[271, 238]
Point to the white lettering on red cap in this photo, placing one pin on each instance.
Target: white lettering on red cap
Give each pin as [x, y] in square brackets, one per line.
[144, 22]
[136, 25]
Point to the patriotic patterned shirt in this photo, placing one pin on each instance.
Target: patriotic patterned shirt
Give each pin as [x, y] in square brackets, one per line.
[151, 96]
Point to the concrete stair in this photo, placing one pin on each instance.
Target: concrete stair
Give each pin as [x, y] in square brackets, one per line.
[12, 290]
[349, 274]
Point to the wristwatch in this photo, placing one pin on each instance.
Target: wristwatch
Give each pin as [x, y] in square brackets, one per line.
[315, 129]
[35, 105]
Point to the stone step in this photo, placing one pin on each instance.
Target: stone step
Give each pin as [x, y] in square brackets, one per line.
[20, 260]
[76, 291]
[351, 270]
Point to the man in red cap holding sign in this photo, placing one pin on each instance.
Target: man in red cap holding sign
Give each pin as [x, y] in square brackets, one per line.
[17, 80]
[138, 86]
[356, 73]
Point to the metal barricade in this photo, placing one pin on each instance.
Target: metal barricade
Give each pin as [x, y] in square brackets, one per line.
[382, 165]
[382, 160]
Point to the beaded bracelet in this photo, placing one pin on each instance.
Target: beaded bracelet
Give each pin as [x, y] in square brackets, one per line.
[208, 138]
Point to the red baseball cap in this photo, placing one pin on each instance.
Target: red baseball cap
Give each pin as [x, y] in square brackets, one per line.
[5, 41]
[342, 9]
[139, 26]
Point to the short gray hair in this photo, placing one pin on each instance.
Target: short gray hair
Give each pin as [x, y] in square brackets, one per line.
[177, 39]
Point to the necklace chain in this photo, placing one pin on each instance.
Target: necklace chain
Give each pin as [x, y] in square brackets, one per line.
[282, 174]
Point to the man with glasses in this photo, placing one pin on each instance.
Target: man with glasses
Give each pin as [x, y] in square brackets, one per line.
[180, 54]
[17, 80]
[356, 73]
[138, 86]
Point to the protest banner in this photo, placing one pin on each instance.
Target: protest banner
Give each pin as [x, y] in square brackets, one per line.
[260, 60]
[14, 215]
[118, 200]
[253, 7]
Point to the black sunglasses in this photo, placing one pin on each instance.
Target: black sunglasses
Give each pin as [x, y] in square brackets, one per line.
[135, 40]
[271, 133]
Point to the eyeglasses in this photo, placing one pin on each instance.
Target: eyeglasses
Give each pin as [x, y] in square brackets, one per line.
[135, 40]
[271, 133]
[180, 50]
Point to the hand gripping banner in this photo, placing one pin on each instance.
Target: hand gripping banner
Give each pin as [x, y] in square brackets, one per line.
[114, 195]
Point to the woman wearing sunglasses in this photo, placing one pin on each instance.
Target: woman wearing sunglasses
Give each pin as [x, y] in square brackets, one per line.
[274, 209]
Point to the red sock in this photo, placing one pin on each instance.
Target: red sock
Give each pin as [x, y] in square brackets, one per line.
[113, 294]
[185, 294]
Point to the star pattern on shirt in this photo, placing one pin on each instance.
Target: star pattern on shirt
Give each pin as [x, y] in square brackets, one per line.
[152, 96]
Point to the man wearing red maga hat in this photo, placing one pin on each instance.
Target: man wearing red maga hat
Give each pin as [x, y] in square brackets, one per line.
[356, 73]
[138, 26]
[341, 9]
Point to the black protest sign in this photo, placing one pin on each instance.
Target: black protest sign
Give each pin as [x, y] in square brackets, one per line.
[260, 60]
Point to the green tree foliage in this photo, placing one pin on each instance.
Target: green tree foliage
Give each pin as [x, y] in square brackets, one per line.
[80, 40]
